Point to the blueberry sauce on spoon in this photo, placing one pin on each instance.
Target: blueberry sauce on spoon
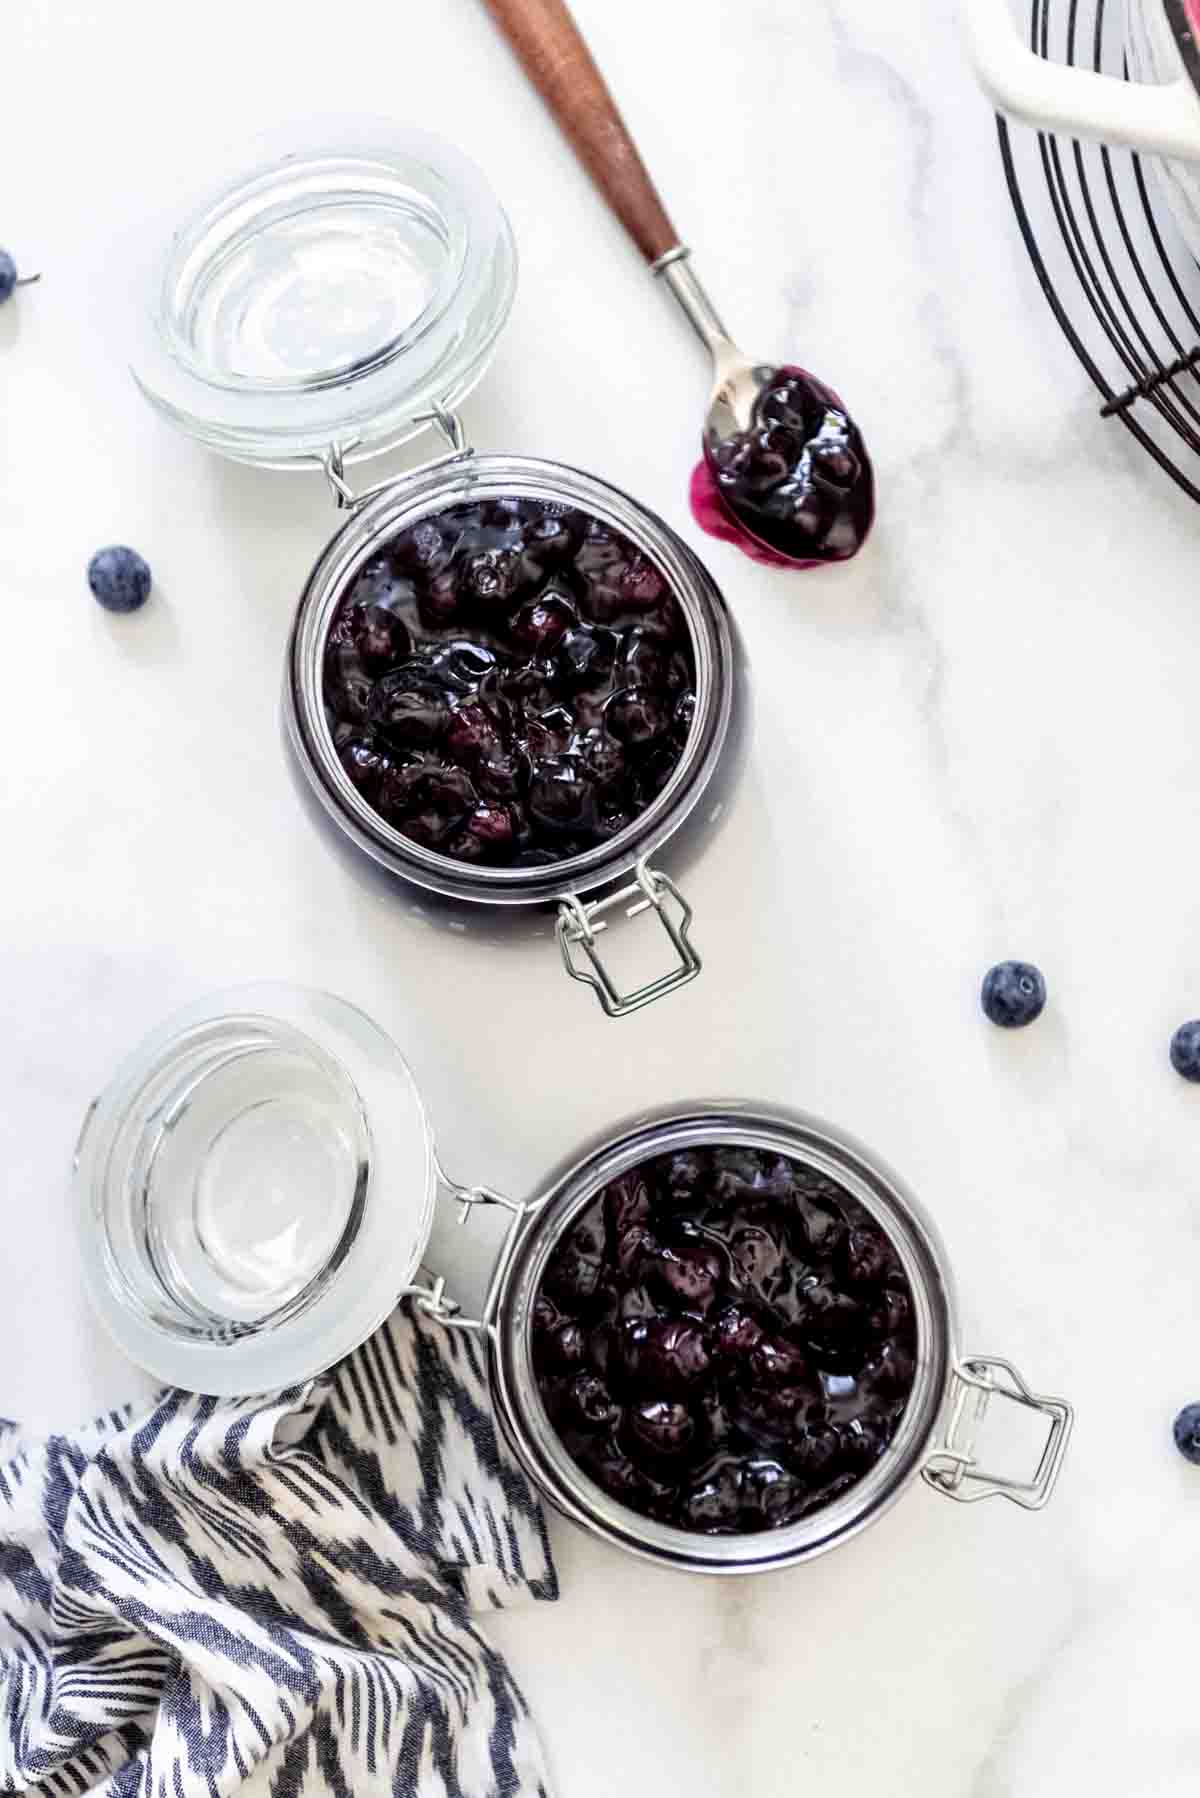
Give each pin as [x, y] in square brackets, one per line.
[796, 488]
[786, 476]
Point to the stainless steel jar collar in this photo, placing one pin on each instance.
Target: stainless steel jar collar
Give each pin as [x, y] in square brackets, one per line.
[584, 891]
[940, 1433]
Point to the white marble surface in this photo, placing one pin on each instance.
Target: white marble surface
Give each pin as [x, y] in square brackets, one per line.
[977, 741]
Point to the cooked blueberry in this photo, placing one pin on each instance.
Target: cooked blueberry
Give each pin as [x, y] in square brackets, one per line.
[504, 775]
[683, 1174]
[586, 655]
[758, 1257]
[779, 1361]
[864, 1258]
[690, 1273]
[590, 1405]
[491, 827]
[119, 578]
[552, 537]
[636, 716]
[492, 577]
[816, 1450]
[460, 664]
[565, 1347]
[668, 1353]
[1185, 1050]
[409, 707]
[541, 625]
[756, 461]
[380, 633]
[836, 1330]
[774, 1492]
[736, 1333]
[635, 1251]
[715, 1505]
[792, 405]
[626, 1203]
[422, 549]
[863, 1441]
[348, 686]
[561, 795]
[1013, 994]
[365, 763]
[472, 734]
[1187, 1434]
[645, 661]
[661, 1427]
[892, 1373]
[438, 602]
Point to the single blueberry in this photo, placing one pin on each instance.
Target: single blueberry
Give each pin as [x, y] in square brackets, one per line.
[119, 578]
[9, 277]
[1014, 994]
[1185, 1050]
[1187, 1434]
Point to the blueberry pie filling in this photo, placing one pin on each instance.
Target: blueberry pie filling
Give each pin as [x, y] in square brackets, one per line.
[796, 488]
[725, 1340]
[510, 683]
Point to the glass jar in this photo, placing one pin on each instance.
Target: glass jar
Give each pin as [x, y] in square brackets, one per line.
[573, 893]
[339, 292]
[256, 1188]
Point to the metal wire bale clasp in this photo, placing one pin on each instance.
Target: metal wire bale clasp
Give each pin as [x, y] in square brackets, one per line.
[953, 1468]
[579, 925]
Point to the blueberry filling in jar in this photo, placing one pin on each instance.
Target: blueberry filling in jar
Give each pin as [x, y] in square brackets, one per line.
[725, 1340]
[509, 682]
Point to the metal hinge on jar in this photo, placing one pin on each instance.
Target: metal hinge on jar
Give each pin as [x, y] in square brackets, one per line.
[579, 925]
[953, 1469]
[333, 459]
[432, 1299]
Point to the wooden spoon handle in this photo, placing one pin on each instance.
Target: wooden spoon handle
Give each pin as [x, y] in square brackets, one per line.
[559, 63]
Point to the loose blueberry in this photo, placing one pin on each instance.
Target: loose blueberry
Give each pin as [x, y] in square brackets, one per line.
[1013, 994]
[1185, 1050]
[9, 279]
[1187, 1434]
[119, 578]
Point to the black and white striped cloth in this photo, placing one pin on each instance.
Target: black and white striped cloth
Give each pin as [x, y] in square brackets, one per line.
[273, 1597]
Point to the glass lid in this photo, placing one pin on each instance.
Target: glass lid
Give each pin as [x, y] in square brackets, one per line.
[322, 289]
[254, 1189]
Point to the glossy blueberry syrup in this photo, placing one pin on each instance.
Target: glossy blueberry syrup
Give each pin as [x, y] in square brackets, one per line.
[725, 1340]
[797, 489]
[510, 683]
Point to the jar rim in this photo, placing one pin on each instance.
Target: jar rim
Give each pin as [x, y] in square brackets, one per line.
[576, 1184]
[423, 494]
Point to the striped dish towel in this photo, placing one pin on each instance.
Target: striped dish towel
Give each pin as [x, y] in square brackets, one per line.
[274, 1596]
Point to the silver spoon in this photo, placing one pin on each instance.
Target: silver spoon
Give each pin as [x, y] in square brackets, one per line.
[785, 472]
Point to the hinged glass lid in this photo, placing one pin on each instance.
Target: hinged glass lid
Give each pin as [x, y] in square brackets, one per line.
[328, 288]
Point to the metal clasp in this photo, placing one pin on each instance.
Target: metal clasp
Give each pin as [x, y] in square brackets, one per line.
[579, 925]
[333, 460]
[953, 1469]
[432, 1299]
